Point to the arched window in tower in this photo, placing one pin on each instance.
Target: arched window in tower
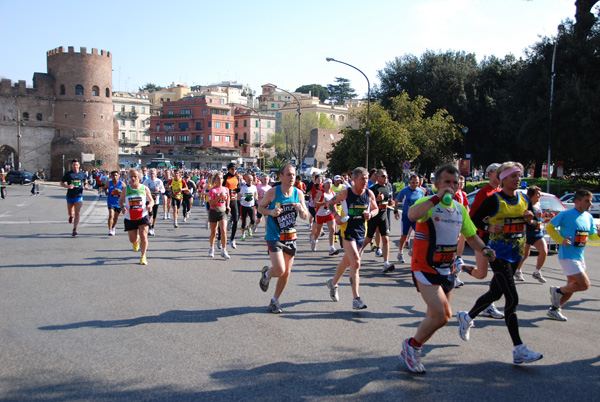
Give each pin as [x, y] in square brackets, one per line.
[95, 91]
[62, 89]
[107, 93]
[25, 116]
[79, 90]
[38, 117]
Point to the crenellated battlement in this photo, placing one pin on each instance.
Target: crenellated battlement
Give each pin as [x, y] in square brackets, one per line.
[20, 87]
[82, 50]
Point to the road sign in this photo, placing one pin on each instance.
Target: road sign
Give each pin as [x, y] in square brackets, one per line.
[544, 170]
[406, 165]
[559, 168]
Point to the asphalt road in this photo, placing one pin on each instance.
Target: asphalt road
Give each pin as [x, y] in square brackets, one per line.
[80, 319]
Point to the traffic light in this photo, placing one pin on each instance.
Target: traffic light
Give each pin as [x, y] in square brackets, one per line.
[242, 142]
[93, 162]
[99, 162]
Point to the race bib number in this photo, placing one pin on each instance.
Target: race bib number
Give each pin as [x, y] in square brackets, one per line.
[288, 235]
[136, 208]
[115, 192]
[514, 228]
[76, 183]
[581, 237]
[444, 256]
[356, 211]
[382, 205]
[155, 197]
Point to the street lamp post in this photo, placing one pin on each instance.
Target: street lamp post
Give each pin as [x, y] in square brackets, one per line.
[299, 137]
[368, 104]
[561, 29]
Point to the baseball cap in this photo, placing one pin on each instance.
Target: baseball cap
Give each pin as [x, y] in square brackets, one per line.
[492, 167]
[337, 177]
[327, 181]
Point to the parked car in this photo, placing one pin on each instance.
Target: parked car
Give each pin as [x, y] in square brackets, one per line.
[568, 200]
[19, 177]
[551, 206]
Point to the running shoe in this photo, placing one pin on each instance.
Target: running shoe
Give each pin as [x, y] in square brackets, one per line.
[358, 304]
[136, 245]
[184, 219]
[411, 356]
[555, 314]
[264, 279]
[555, 296]
[110, 232]
[165, 217]
[333, 290]
[275, 307]
[457, 282]
[378, 252]
[168, 216]
[74, 233]
[523, 355]
[538, 276]
[464, 326]
[150, 232]
[233, 245]
[334, 252]
[373, 246]
[458, 263]
[143, 261]
[175, 224]
[70, 219]
[219, 246]
[313, 245]
[387, 267]
[401, 258]
[493, 312]
[211, 252]
[519, 276]
[225, 254]
[243, 238]
[250, 231]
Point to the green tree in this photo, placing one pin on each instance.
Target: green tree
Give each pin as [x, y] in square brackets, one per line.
[150, 87]
[316, 90]
[340, 91]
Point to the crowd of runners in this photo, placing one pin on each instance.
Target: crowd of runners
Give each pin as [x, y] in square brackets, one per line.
[352, 212]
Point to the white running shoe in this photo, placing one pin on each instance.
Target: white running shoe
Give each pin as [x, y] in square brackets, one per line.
[411, 356]
[464, 326]
[378, 252]
[233, 245]
[333, 290]
[211, 252]
[519, 276]
[387, 267]
[184, 219]
[537, 275]
[556, 314]
[224, 254]
[493, 312]
[358, 304]
[523, 355]
[401, 258]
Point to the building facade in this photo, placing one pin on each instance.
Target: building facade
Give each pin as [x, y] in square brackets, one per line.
[74, 99]
[132, 113]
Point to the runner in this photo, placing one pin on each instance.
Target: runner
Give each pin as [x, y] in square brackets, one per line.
[232, 182]
[324, 216]
[314, 187]
[136, 202]
[281, 205]
[481, 269]
[576, 228]
[176, 186]
[434, 250]
[112, 190]
[504, 215]
[535, 238]
[188, 196]
[167, 195]
[261, 190]
[218, 201]
[75, 182]
[380, 221]
[357, 203]
[248, 197]
[407, 196]
[157, 190]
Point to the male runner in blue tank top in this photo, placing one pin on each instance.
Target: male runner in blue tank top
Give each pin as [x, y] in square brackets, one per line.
[281, 205]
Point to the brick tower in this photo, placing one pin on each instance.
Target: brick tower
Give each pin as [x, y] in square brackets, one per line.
[83, 115]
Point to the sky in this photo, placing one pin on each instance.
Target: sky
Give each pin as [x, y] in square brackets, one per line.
[200, 42]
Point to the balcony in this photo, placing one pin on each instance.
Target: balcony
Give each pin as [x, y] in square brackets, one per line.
[174, 116]
[128, 143]
[128, 115]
